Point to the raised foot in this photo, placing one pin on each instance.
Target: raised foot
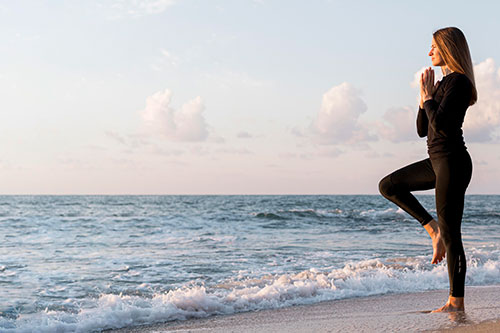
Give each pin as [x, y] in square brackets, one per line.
[439, 251]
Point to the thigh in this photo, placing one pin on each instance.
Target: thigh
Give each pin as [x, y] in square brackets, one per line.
[418, 176]
[452, 178]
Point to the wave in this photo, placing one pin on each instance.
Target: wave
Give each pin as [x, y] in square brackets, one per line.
[269, 216]
[389, 212]
[326, 213]
[293, 213]
[245, 292]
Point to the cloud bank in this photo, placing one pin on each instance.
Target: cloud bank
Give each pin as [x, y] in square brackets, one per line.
[399, 125]
[483, 118]
[185, 124]
[338, 119]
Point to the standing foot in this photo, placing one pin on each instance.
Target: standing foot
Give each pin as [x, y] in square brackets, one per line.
[454, 304]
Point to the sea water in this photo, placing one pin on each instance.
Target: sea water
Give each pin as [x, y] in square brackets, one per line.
[88, 263]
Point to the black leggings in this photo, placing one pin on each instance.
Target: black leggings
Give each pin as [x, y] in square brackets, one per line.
[450, 176]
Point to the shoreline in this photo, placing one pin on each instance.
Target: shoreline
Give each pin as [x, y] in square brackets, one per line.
[393, 312]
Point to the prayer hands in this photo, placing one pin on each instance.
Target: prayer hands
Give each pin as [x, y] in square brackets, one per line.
[427, 86]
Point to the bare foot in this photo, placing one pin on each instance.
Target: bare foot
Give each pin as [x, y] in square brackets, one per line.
[438, 248]
[454, 304]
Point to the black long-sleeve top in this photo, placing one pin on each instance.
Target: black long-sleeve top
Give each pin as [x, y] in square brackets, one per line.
[442, 117]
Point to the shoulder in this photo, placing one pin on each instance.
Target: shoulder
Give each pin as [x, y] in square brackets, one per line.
[458, 79]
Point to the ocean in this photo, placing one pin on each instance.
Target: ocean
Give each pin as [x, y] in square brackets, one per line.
[89, 263]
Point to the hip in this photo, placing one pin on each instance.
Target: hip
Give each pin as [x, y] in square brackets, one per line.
[454, 166]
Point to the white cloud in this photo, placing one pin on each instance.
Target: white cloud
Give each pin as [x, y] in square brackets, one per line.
[399, 125]
[338, 119]
[185, 124]
[483, 118]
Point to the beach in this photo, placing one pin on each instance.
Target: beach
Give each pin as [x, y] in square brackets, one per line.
[249, 166]
[401, 312]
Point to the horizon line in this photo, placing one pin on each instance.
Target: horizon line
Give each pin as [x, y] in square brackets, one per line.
[214, 194]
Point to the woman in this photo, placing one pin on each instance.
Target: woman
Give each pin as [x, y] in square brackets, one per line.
[449, 167]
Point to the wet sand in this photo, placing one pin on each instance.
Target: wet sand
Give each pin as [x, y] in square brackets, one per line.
[402, 312]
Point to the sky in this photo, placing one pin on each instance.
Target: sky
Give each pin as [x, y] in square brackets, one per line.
[229, 97]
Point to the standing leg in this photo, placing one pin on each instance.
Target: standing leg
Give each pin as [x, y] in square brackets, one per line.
[453, 175]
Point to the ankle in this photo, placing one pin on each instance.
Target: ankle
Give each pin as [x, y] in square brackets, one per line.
[457, 302]
[432, 228]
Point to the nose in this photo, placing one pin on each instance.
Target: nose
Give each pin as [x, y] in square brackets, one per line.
[430, 53]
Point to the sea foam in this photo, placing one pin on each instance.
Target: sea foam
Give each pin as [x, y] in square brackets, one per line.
[244, 292]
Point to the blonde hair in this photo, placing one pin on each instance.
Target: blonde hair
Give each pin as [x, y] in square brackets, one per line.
[453, 48]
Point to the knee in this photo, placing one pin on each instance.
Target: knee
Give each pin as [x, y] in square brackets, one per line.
[452, 239]
[386, 187]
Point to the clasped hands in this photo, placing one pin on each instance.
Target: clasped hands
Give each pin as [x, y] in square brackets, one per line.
[427, 85]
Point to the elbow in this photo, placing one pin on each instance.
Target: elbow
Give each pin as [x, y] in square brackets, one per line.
[421, 131]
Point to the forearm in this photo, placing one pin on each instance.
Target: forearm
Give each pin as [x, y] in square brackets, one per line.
[435, 114]
[422, 123]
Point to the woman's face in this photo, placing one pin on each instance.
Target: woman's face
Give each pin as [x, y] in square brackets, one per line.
[435, 55]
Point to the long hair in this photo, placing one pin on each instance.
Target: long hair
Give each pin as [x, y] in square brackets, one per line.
[453, 47]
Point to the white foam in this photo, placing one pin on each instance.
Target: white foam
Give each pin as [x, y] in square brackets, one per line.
[244, 292]
[373, 213]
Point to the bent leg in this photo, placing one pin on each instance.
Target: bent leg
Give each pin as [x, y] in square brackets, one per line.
[396, 187]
